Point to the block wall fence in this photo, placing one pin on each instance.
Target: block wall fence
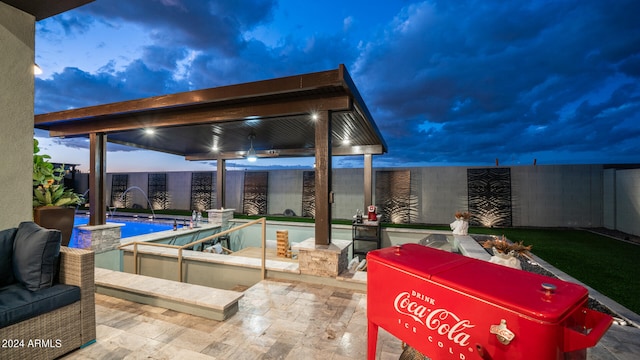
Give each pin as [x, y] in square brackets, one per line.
[540, 196]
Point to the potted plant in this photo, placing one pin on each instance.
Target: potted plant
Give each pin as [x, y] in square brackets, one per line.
[505, 252]
[461, 225]
[53, 203]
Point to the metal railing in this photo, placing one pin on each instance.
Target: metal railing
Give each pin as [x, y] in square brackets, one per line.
[180, 248]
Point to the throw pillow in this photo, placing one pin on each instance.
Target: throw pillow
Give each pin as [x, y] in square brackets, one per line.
[6, 253]
[35, 255]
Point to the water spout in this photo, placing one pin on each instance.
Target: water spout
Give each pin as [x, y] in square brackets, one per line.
[145, 196]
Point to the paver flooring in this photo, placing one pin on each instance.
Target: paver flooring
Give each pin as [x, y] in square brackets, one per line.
[276, 320]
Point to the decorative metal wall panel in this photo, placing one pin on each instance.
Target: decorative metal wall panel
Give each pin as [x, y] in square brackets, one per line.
[119, 185]
[393, 197]
[309, 194]
[202, 191]
[157, 191]
[255, 193]
[490, 196]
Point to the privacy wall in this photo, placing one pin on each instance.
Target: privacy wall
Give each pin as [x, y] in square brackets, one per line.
[538, 196]
[627, 201]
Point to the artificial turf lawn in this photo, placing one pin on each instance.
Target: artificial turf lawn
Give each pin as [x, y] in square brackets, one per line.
[605, 264]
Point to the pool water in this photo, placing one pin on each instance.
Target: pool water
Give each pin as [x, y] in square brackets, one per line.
[132, 226]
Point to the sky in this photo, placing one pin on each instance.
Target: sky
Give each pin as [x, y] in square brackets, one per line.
[448, 83]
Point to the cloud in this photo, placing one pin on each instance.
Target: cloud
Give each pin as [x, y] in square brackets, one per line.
[486, 71]
[76, 88]
[203, 25]
[71, 24]
[196, 44]
[448, 82]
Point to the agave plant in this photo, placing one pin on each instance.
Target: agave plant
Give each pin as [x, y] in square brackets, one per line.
[48, 187]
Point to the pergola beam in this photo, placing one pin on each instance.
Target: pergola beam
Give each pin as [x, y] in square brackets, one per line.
[274, 153]
[264, 89]
[195, 115]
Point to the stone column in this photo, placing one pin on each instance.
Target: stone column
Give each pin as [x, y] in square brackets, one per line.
[220, 217]
[99, 238]
[323, 260]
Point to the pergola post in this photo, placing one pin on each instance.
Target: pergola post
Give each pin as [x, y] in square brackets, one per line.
[368, 176]
[221, 175]
[323, 179]
[97, 178]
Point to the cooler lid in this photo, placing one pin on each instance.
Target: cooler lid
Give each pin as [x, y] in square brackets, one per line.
[541, 297]
[417, 259]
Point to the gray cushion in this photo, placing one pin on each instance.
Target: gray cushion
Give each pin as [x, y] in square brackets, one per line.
[6, 254]
[18, 304]
[35, 255]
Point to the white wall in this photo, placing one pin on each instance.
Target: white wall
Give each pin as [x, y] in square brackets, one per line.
[609, 198]
[234, 190]
[557, 195]
[17, 36]
[285, 191]
[179, 189]
[441, 192]
[348, 192]
[542, 196]
[628, 201]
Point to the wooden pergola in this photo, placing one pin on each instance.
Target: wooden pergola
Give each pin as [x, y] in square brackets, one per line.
[296, 116]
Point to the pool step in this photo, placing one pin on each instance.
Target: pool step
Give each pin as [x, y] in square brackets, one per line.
[192, 299]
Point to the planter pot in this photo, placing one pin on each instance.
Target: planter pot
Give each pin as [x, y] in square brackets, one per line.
[505, 259]
[54, 217]
[460, 227]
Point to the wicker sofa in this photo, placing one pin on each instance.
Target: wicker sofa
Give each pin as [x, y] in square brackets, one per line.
[54, 333]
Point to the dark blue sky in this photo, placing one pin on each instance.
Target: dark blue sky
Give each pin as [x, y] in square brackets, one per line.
[447, 82]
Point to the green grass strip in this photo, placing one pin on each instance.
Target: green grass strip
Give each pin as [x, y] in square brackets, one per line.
[605, 264]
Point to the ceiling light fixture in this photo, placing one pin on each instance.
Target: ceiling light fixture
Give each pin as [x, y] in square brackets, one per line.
[251, 154]
[214, 143]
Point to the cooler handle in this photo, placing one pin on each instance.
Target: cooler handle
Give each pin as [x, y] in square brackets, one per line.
[596, 321]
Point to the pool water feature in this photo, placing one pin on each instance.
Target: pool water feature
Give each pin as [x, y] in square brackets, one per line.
[201, 267]
[132, 226]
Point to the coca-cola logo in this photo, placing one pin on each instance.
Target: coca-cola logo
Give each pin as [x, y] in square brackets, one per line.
[442, 321]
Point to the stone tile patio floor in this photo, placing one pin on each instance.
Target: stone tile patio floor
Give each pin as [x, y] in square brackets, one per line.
[276, 320]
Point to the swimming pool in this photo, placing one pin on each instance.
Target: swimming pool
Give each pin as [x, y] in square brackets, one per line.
[132, 226]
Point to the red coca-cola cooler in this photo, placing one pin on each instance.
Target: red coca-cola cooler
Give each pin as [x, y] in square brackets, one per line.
[448, 306]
